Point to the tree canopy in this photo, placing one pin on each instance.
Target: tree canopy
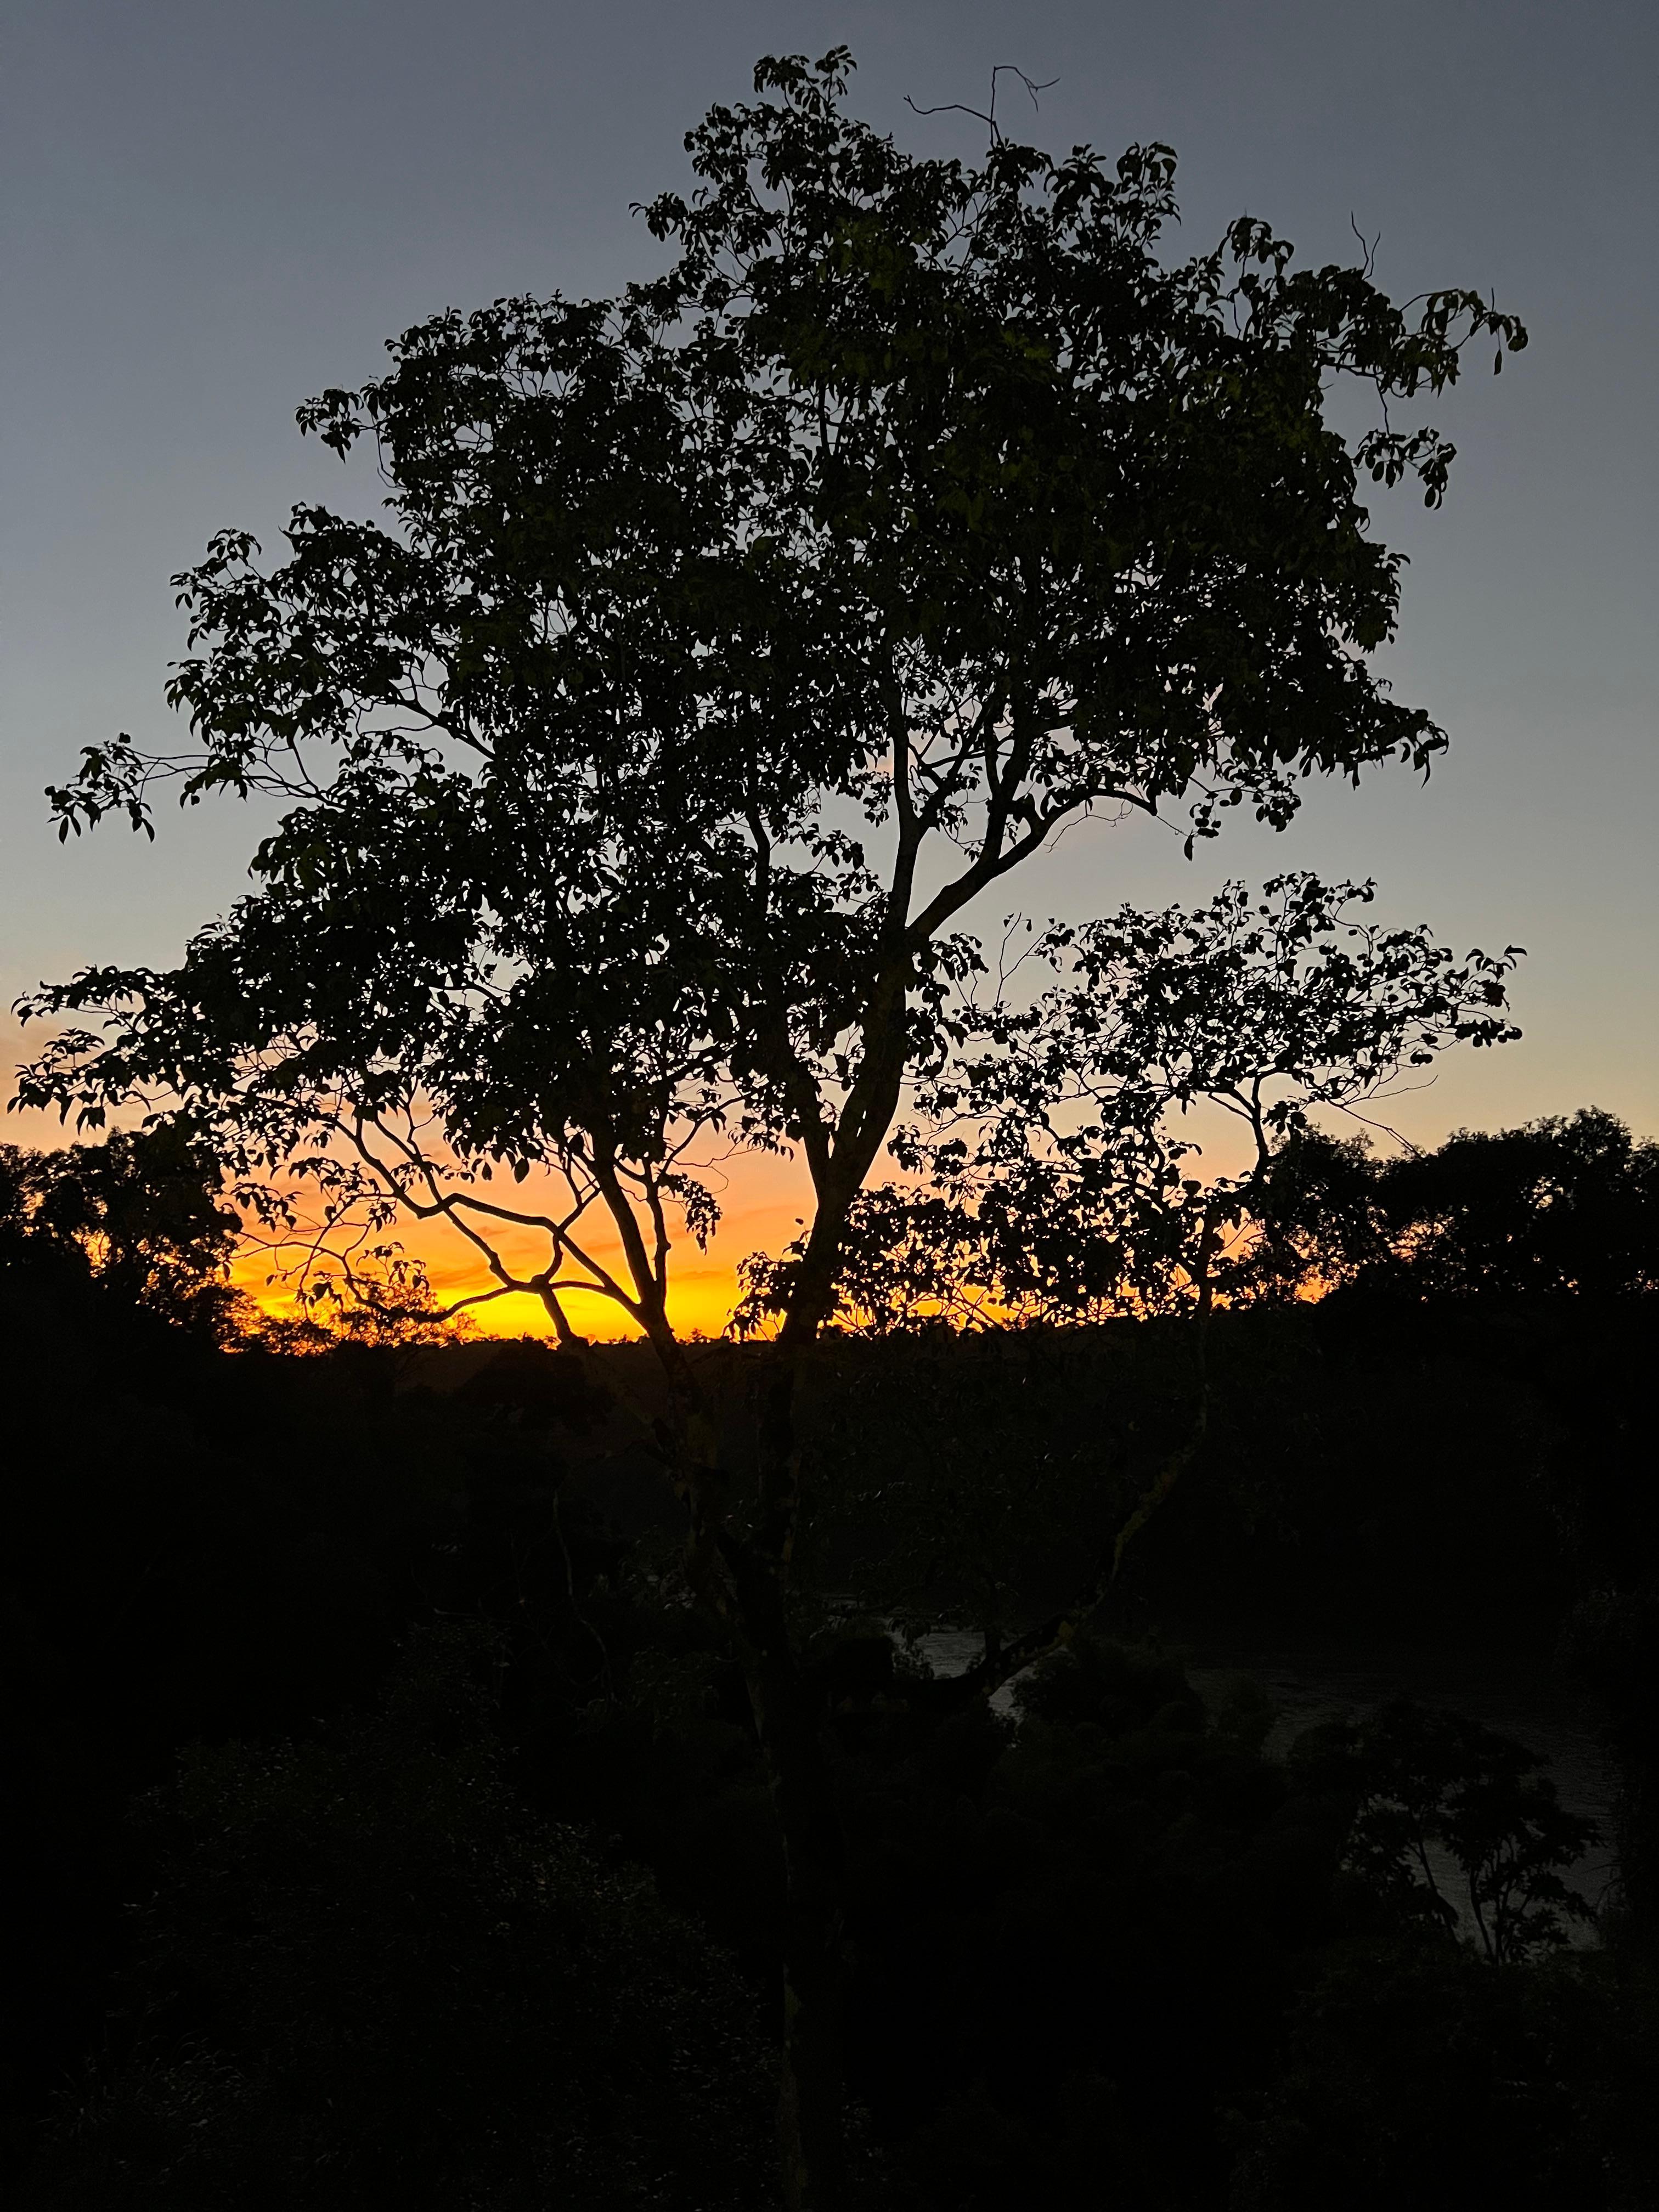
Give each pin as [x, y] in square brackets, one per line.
[1565, 1204]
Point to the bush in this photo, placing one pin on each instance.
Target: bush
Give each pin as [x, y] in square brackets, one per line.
[1417, 2074]
[365, 1977]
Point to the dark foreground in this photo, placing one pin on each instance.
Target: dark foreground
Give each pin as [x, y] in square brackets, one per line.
[393, 1833]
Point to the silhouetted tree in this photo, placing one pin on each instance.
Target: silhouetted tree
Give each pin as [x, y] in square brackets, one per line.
[144, 1210]
[1055, 1178]
[1568, 1204]
[1424, 1780]
[724, 643]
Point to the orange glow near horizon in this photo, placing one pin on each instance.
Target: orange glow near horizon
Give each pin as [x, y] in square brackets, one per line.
[763, 1199]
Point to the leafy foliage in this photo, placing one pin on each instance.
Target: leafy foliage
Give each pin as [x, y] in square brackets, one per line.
[1053, 1178]
[1431, 1782]
[1120, 1938]
[365, 1975]
[1414, 2073]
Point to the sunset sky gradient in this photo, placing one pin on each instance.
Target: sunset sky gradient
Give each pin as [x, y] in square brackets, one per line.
[213, 212]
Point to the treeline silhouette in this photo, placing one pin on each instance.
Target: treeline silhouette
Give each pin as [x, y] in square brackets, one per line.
[392, 1828]
[1567, 1204]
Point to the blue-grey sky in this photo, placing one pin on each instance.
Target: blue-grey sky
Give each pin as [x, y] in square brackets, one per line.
[213, 207]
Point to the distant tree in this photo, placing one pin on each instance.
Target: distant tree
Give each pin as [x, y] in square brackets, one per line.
[1568, 1204]
[144, 1210]
[725, 643]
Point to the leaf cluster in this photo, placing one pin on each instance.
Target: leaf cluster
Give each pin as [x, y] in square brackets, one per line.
[1053, 1176]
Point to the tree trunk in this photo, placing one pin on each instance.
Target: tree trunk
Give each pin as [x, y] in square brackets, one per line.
[789, 1712]
[811, 2138]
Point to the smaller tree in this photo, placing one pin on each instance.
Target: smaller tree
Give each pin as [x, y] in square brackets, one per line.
[1055, 1178]
[1438, 1794]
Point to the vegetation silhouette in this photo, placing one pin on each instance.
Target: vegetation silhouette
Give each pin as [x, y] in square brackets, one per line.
[1564, 1204]
[360, 1965]
[724, 644]
[1053, 1178]
[145, 1210]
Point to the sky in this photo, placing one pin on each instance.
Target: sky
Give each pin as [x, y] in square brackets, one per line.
[212, 208]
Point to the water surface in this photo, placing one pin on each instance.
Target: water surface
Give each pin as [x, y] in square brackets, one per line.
[1313, 1683]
